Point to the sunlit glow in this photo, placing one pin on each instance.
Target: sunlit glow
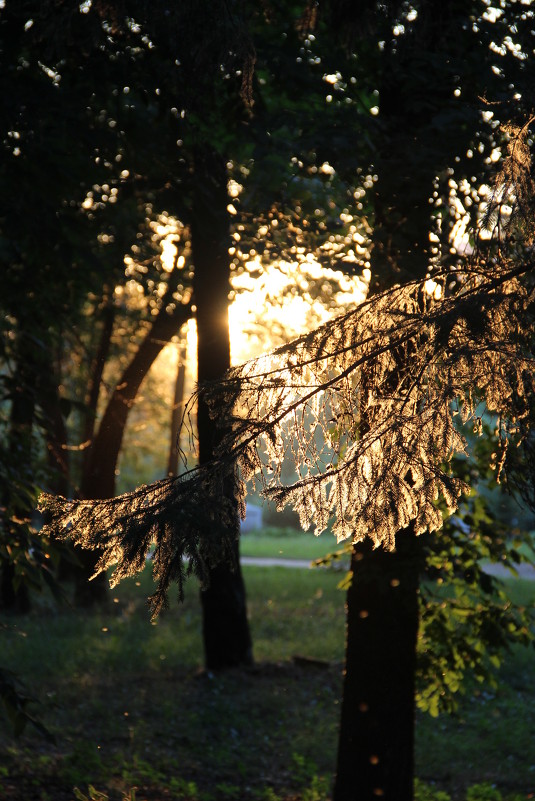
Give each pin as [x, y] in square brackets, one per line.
[460, 236]
[285, 300]
[234, 188]
[191, 335]
[169, 254]
[327, 169]
[433, 289]
[332, 78]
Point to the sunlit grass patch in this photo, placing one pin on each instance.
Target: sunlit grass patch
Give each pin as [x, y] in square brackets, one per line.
[287, 543]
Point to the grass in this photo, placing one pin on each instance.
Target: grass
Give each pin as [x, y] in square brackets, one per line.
[130, 707]
[287, 543]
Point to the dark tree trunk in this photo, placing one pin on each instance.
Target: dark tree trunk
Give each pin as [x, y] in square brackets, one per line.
[13, 597]
[227, 640]
[99, 476]
[376, 745]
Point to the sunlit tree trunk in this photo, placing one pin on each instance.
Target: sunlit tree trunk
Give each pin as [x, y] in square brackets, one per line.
[227, 640]
[177, 410]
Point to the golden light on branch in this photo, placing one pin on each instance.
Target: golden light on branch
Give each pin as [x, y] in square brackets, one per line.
[363, 405]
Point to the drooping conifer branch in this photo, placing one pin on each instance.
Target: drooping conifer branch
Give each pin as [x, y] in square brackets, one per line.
[175, 520]
[376, 462]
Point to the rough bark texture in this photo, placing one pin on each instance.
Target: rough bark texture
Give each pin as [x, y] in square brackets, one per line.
[227, 640]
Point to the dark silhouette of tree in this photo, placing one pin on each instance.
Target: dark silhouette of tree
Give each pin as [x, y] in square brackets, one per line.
[226, 637]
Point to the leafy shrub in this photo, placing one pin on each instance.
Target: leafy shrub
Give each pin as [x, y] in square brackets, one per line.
[483, 792]
[426, 792]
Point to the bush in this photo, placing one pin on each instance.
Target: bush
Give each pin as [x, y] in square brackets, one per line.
[483, 792]
[426, 792]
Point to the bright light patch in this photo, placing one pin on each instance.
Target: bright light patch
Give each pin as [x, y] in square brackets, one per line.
[169, 252]
[282, 303]
[433, 289]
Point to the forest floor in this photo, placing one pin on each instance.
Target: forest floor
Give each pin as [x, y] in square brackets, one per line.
[134, 716]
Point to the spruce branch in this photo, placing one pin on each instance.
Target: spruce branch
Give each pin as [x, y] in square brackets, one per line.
[178, 521]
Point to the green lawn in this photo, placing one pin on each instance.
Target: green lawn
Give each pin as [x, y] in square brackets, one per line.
[129, 706]
[287, 543]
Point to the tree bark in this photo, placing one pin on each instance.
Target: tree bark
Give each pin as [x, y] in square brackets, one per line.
[226, 636]
[376, 741]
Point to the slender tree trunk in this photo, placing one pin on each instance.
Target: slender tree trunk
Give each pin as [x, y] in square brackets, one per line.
[177, 410]
[227, 640]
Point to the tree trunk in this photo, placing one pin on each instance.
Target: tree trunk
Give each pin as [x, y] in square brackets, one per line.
[227, 640]
[99, 477]
[177, 410]
[95, 378]
[376, 742]
[376, 751]
[15, 598]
